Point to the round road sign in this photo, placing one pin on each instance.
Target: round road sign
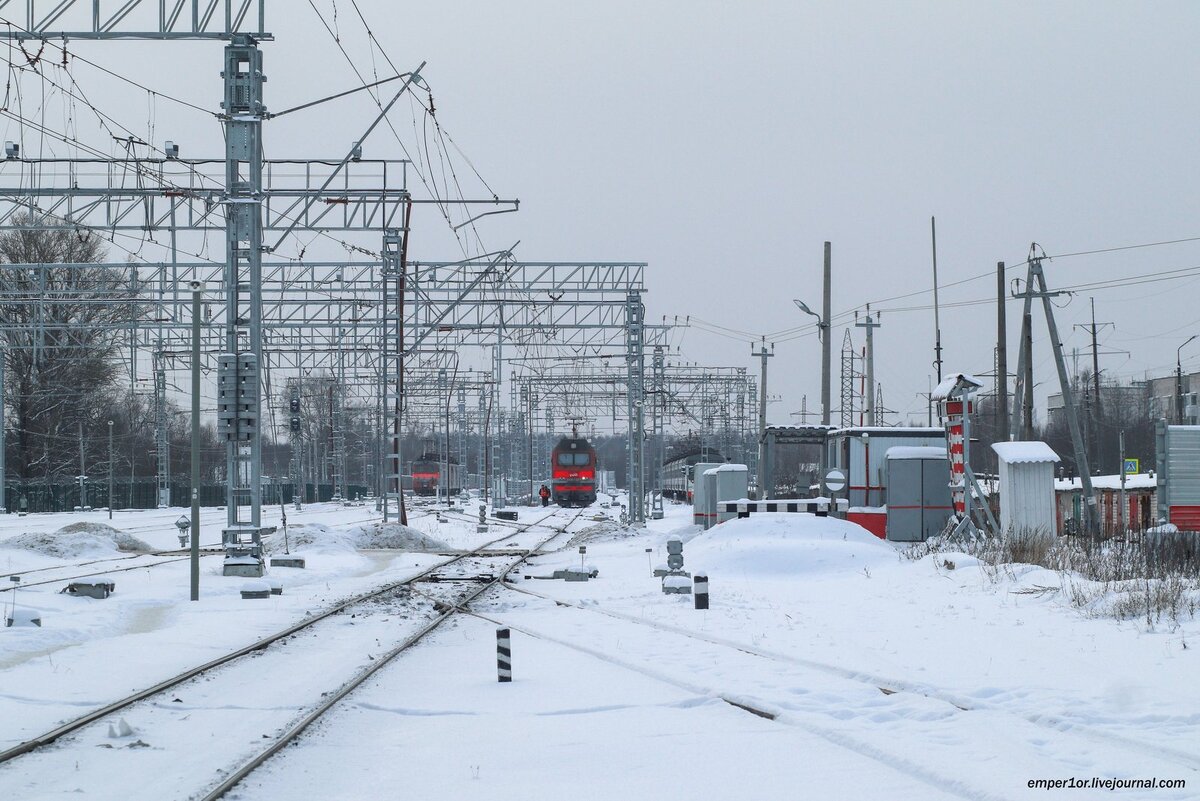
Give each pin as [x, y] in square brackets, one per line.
[835, 480]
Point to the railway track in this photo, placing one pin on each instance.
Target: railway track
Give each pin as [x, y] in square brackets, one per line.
[302, 651]
[822, 718]
[150, 559]
[886, 685]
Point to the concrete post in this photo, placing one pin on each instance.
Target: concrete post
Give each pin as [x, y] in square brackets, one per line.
[503, 655]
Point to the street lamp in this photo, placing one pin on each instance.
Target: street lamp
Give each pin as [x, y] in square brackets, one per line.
[1179, 381]
[823, 334]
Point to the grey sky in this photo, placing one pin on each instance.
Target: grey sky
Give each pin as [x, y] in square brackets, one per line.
[724, 142]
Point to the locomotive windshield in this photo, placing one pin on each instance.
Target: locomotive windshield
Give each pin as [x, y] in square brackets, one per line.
[572, 459]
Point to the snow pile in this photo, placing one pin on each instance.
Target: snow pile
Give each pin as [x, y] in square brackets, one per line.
[387, 536]
[78, 539]
[781, 545]
[312, 537]
[393, 536]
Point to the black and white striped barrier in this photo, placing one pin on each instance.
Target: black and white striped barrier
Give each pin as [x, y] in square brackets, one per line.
[817, 506]
[700, 590]
[503, 655]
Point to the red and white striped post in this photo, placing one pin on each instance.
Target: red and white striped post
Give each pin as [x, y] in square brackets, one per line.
[952, 410]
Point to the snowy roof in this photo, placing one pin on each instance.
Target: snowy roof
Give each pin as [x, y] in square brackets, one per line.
[915, 452]
[953, 382]
[726, 468]
[891, 431]
[1132, 482]
[1023, 452]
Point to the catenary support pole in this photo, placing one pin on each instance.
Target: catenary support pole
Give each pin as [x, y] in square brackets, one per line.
[195, 499]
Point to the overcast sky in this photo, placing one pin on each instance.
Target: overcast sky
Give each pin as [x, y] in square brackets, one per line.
[723, 143]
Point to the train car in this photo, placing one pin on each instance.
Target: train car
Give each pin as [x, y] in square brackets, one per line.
[427, 475]
[677, 479]
[573, 472]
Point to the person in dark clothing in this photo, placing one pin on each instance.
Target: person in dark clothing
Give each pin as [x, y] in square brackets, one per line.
[544, 493]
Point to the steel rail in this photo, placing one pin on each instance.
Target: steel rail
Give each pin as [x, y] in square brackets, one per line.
[108, 709]
[298, 728]
[206, 550]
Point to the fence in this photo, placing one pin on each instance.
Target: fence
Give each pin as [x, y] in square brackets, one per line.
[63, 497]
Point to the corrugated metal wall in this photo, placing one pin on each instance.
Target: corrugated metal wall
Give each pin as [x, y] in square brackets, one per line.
[1027, 497]
[1183, 464]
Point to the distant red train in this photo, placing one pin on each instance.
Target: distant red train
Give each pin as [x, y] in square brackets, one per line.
[573, 472]
[427, 475]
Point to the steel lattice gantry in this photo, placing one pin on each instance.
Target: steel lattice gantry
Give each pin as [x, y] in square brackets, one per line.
[714, 403]
[269, 309]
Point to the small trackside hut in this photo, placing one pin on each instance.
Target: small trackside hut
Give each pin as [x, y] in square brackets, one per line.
[862, 454]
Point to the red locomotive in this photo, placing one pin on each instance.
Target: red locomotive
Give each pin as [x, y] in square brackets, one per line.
[427, 475]
[573, 472]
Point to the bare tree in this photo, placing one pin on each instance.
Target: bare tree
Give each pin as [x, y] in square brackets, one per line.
[63, 318]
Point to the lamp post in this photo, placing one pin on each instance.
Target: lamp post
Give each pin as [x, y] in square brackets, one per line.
[1179, 381]
[823, 333]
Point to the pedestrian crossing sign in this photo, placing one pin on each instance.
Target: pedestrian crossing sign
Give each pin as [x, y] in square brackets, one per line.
[1131, 467]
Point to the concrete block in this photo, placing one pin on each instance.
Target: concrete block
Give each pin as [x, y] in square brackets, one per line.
[681, 585]
[256, 589]
[287, 561]
[90, 588]
[243, 566]
[506, 514]
[661, 570]
[275, 584]
[21, 617]
[576, 574]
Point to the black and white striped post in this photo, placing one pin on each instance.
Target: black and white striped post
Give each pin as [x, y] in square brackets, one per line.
[700, 590]
[504, 655]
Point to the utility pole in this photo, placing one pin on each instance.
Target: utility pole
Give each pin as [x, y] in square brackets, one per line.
[1001, 356]
[826, 345]
[1121, 517]
[1179, 417]
[1036, 287]
[110, 468]
[1027, 420]
[869, 390]
[1094, 411]
[937, 326]
[763, 354]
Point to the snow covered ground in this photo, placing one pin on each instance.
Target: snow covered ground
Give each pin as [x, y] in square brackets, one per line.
[879, 676]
